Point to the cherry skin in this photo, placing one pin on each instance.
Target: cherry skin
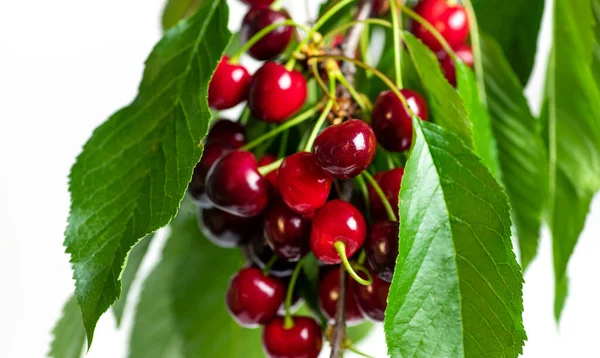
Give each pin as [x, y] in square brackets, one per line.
[252, 298]
[337, 221]
[272, 44]
[287, 232]
[303, 340]
[345, 150]
[229, 85]
[329, 293]
[390, 182]
[372, 299]
[260, 253]
[230, 133]
[276, 93]
[381, 248]
[197, 186]
[304, 186]
[258, 2]
[391, 121]
[226, 230]
[272, 175]
[450, 20]
[464, 52]
[234, 185]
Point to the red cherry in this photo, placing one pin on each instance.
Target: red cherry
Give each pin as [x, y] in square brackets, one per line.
[258, 2]
[253, 298]
[337, 221]
[276, 93]
[287, 232]
[450, 20]
[272, 175]
[372, 299]
[230, 133]
[304, 186]
[303, 340]
[346, 149]
[389, 182]
[272, 44]
[260, 253]
[391, 121]
[381, 248]
[464, 52]
[234, 185]
[229, 85]
[196, 188]
[329, 293]
[226, 230]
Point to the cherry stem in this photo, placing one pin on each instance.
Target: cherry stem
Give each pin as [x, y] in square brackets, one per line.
[283, 144]
[266, 169]
[418, 18]
[315, 70]
[245, 116]
[343, 27]
[476, 42]
[382, 197]
[397, 30]
[362, 257]
[340, 247]
[283, 127]
[315, 131]
[288, 322]
[269, 265]
[357, 97]
[362, 185]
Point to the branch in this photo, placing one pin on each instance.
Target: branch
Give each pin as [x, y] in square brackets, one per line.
[339, 330]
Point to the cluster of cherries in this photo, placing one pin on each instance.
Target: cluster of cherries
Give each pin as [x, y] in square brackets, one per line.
[279, 214]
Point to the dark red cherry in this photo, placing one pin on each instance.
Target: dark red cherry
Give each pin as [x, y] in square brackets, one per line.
[227, 230]
[196, 188]
[276, 93]
[287, 232]
[229, 85]
[392, 123]
[258, 2]
[381, 248]
[346, 149]
[234, 185]
[337, 221]
[389, 181]
[372, 299]
[329, 293]
[304, 186]
[253, 298]
[272, 44]
[464, 52]
[303, 340]
[272, 175]
[260, 253]
[450, 19]
[230, 133]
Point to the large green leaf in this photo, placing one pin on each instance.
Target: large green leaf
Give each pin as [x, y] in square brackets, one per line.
[515, 24]
[457, 288]
[444, 102]
[69, 333]
[133, 172]
[177, 10]
[522, 153]
[574, 132]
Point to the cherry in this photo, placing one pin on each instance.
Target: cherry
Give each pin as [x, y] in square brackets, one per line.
[258, 2]
[234, 185]
[303, 340]
[276, 93]
[329, 293]
[464, 52]
[304, 186]
[272, 44]
[287, 232]
[229, 85]
[346, 149]
[260, 253]
[449, 19]
[381, 248]
[253, 298]
[389, 181]
[337, 221]
[272, 175]
[230, 133]
[196, 188]
[226, 230]
[391, 121]
[372, 299]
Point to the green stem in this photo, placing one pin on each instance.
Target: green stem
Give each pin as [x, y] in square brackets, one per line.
[340, 247]
[397, 29]
[245, 117]
[288, 321]
[357, 97]
[384, 200]
[343, 27]
[362, 185]
[356, 351]
[476, 42]
[269, 265]
[266, 169]
[283, 145]
[362, 257]
[323, 117]
[418, 18]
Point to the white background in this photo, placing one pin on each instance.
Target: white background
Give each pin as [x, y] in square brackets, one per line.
[67, 65]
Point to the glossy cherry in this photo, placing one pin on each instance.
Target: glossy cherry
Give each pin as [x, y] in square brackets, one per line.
[391, 121]
[276, 93]
[464, 52]
[272, 44]
[260, 253]
[229, 85]
[230, 133]
[449, 18]
[287, 232]
[258, 2]
[337, 221]
[272, 175]
[381, 248]
[372, 299]
[389, 181]
[304, 186]
[346, 149]
[252, 298]
[329, 293]
[227, 230]
[197, 186]
[234, 185]
[303, 340]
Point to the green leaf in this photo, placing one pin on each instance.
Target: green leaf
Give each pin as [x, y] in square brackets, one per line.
[444, 102]
[522, 153]
[360, 332]
[574, 132]
[515, 24]
[69, 333]
[184, 296]
[457, 288]
[176, 10]
[133, 172]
